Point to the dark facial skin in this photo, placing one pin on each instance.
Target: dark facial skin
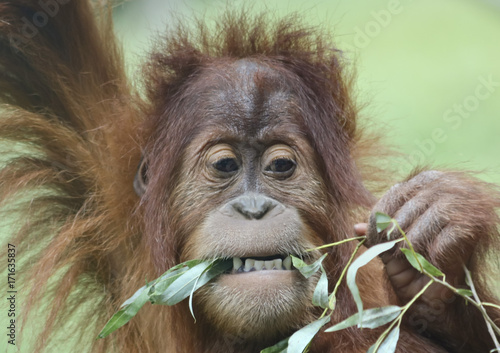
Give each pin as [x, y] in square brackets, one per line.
[251, 163]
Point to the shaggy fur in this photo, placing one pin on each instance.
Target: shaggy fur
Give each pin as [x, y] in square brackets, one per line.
[83, 129]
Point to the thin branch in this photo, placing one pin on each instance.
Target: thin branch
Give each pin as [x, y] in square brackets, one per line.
[492, 327]
[337, 243]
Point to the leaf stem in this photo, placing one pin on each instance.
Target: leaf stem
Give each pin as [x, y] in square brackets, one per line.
[477, 303]
[400, 316]
[344, 271]
[409, 244]
[337, 243]
[332, 295]
[492, 327]
[492, 305]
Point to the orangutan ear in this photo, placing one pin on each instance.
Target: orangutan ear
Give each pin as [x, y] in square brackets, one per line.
[141, 178]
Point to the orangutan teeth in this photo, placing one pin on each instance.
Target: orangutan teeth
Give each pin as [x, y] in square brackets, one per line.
[268, 265]
[237, 263]
[249, 264]
[259, 265]
[287, 263]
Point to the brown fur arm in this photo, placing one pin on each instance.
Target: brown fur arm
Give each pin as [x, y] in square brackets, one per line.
[54, 57]
[67, 104]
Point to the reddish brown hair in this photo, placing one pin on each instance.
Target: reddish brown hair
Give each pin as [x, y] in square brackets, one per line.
[83, 129]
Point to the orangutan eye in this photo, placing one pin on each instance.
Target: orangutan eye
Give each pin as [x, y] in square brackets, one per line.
[226, 165]
[281, 168]
[281, 165]
[223, 160]
[279, 161]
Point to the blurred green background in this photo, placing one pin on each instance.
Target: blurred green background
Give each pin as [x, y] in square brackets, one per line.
[428, 72]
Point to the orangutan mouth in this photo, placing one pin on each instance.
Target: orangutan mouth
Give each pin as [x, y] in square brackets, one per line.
[276, 262]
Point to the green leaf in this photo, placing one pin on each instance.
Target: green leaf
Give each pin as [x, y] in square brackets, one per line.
[279, 347]
[465, 292]
[320, 296]
[183, 285]
[372, 318]
[165, 280]
[174, 285]
[299, 341]
[174, 290]
[132, 305]
[216, 268]
[307, 270]
[426, 265]
[382, 220]
[362, 260]
[137, 294]
[332, 301]
[127, 311]
[389, 344]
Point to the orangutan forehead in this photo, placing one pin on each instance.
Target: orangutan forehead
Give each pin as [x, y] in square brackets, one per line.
[248, 98]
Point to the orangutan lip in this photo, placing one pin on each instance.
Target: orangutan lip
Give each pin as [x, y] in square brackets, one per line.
[268, 263]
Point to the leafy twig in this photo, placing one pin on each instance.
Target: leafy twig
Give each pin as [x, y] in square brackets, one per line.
[362, 238]
[492, 327]
[333, 295]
